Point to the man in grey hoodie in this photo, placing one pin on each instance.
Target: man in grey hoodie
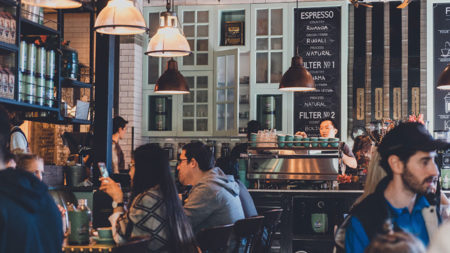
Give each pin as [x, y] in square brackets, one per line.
[214, 198]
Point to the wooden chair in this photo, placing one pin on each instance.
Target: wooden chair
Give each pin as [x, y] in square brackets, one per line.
[248, 234]
[271, 220]
[135, 245]
[215, 239]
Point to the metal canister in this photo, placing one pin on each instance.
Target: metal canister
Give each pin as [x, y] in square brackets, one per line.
[41, 60]
[20, 87]
[30, 82]
[31, 63]
[49, 93]
[160, 104]
[40, 90]
[50, 64]
[160, 122]
[23, 56]
[269, 104]
[269, 121]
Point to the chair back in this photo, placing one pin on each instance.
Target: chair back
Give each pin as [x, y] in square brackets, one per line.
[215, 239]
[135, 244]
[271, 220]
[248, 233]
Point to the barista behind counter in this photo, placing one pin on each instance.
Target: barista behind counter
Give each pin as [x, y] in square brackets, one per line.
[328, 130]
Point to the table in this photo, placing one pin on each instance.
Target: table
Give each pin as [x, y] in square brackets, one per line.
[136, 245]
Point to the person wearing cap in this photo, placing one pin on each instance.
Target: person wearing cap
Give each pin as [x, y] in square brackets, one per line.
[407, 195]
[119, 130]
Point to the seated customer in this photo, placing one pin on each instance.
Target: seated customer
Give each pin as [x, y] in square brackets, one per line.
[214, 198]
[395, 242]
[230, 167]
[155, 209]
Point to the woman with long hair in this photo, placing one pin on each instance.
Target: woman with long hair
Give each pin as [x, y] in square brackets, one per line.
[154, 207]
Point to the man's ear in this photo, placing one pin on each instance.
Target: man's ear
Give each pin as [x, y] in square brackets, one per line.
[193, 162]
[335, 131]
[396, 164]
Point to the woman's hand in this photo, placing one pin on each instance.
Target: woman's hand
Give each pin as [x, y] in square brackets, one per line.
[112, 189]
[302, 134]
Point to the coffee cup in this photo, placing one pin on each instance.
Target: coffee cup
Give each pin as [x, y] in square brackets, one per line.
[323, 142]
[104, 233]
[306, 142]
[289, 140]
[334, 142]
[298, 139]
[281, 139]
[253, 139]
[314, 142]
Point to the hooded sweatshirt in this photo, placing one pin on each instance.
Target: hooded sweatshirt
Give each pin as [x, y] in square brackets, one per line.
[213, 201]
[29, 218]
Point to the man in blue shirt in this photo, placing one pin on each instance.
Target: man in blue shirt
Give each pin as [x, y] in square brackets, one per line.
[401, 200]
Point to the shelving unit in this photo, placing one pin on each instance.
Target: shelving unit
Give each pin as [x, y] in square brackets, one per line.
[26, 27]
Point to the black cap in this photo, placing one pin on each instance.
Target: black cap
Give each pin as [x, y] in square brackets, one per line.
[409, 136]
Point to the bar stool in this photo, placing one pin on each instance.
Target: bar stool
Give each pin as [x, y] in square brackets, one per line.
[248, 234]
[271, 220]
[215, 239]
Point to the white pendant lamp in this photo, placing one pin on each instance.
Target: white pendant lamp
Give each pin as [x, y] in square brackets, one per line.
[54, 4]
[169, 40]
[120, 17]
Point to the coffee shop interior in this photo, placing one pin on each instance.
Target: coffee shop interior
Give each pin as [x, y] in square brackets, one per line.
[254, 80]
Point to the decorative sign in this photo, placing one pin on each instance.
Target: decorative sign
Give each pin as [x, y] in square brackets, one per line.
[234, 33]
[318, 40]
[397, 104]
[360, 105]
[441, 13]
[378, 103]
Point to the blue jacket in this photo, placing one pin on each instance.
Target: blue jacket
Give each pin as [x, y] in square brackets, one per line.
[29, 218]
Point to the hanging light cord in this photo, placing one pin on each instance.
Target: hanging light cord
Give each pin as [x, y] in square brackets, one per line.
[296, 49]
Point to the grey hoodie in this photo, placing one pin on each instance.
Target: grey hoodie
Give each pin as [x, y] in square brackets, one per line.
[214, 201]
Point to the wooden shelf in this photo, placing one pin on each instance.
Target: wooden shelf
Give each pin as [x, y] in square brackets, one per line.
[6, 47]
[32, 28]
[69, 83]
[8, 2]
[27, 106]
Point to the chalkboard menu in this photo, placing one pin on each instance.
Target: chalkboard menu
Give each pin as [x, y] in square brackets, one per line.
[318, 39]
[441, 59]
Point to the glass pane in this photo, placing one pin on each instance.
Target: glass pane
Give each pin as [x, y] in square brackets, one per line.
[230, 116]
[188, 125]
[276, 43]
[188, 111]
[190, 81]
[221, 71]
[202, 125]
[202, 96]
[202, 45]
[153, 74]
[276, 60]
[261, 67]
[189, 30]
[191, 44]
[164, 61]
[276, 22]
[230, 95]
[202, 31]
[262, 44]
[231, 73]
[220, 117]
[189, 17]
[202, 111]
[153, 20]
[220, 95]
[188, 98]
[202, 82]
[262, 22]
[202, 17]
[188, 59]
[202, 59]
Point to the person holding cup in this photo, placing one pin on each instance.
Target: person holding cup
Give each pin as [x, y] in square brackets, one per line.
[328, 130]
[153, 194]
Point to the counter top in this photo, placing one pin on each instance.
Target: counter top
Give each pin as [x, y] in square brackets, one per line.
[305, 191]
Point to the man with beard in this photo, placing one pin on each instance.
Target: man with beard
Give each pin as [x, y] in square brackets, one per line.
[405, 199]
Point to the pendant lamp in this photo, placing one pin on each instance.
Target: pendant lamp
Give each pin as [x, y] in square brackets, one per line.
[120, 17]
[444, 79]
[169, 40]
[171, 81]
[297, 77]
[54, 4]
